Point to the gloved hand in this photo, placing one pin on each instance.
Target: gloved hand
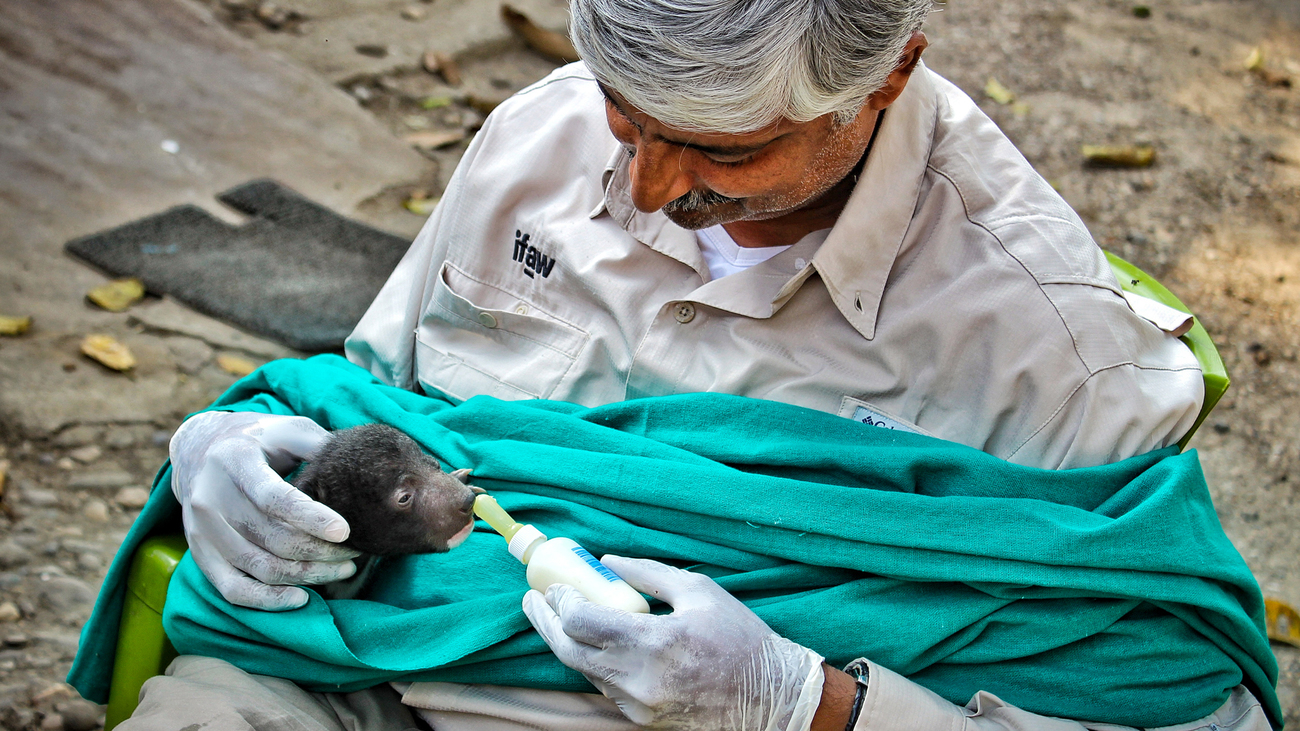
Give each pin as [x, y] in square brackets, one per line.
[252, 533]
[711, 664]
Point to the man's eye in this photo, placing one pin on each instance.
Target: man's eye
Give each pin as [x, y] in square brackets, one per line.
[404, 499]
[732, 163]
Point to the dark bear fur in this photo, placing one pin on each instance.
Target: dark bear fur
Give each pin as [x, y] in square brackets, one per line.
[395, 498]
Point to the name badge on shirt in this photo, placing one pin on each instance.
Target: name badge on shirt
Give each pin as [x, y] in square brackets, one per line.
[864, 414]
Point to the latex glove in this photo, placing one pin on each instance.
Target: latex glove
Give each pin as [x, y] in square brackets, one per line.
[711, 664]
[253, 534]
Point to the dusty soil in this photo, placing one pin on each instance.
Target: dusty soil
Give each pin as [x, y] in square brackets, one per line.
[1216, 218]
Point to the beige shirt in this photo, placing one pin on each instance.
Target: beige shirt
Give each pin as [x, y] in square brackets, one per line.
[957, 295]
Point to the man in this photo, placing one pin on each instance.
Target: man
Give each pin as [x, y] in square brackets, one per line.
[773, 199]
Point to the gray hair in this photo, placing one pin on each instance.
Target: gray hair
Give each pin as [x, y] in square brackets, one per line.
[735, 66]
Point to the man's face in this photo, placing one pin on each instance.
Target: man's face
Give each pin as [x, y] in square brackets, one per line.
[701, 180]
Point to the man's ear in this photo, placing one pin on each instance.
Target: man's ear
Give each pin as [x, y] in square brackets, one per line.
[897, 80]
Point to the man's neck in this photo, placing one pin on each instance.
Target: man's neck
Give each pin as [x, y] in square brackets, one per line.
[821, 213]
[789, 228]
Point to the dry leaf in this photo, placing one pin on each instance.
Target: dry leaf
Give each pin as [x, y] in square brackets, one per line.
[420, 206]
[4, 471]
[555, 46]
[435, 102]
[1255, 60]
[106, 350]
[236, 366]
[434, 139]
[997, 92]
[1128, 156]
[117, 295]
[14, 326]
[484, 104]
[436, 62]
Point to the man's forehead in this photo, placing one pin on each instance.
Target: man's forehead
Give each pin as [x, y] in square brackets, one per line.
[713, 142]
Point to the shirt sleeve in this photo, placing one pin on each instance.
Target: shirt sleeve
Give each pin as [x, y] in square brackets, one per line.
[383, 342]
[894, 703]
[1117, 413]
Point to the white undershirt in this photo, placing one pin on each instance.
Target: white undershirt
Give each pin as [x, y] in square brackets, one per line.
[724, 256]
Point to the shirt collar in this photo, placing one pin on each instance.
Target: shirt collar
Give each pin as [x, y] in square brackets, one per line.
[860, 251]
[857, 256]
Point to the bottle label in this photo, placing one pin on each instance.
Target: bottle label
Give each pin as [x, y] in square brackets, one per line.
[600, 568]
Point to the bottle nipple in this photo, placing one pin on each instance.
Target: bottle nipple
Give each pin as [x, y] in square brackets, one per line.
[520, 538]
[486, 507]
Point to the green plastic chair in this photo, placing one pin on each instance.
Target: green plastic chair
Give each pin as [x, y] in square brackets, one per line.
[1132, 279]
[142, 647]
[143, 650]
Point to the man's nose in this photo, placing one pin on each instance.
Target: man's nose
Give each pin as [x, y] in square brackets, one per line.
[657, 176]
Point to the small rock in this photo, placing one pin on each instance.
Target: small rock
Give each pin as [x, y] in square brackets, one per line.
[46, 458]
[89, 561]
[75, 545]
[9, 612]
[95, 510]
[1137, 238]
[122, 437]
[271, 15]
[100, 480]
[413, 12]
[9, 579]
[87, 454]
[51, 548]
[79, 714]
[65, 594]
[78, 436]
[12, 554]
[132, 497]
[16, 718]
[66, 464]
[17, 639]
[52, 722]
[160, 438]
[40, 498]
[1260, 353]
[191, 354]
[373, 50]
[1222, 427]
[27, 609]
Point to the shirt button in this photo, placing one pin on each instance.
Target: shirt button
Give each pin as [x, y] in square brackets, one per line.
[521, 310]
[684, 312]
[486, 319]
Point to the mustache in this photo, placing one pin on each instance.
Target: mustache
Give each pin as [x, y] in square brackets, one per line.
[697, 200]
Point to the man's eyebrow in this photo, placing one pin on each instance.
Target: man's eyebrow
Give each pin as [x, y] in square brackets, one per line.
[719, 150]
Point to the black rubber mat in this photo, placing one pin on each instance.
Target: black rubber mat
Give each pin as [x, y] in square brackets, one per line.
[297, 272]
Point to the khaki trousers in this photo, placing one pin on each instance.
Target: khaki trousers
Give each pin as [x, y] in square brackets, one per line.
[213, 695]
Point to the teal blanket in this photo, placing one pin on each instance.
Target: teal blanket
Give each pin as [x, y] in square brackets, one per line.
[1107, 593]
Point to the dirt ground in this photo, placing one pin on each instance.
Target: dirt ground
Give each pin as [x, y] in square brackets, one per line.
[1216, 218]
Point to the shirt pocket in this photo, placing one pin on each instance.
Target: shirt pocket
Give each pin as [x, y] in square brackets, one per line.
[478, 339]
